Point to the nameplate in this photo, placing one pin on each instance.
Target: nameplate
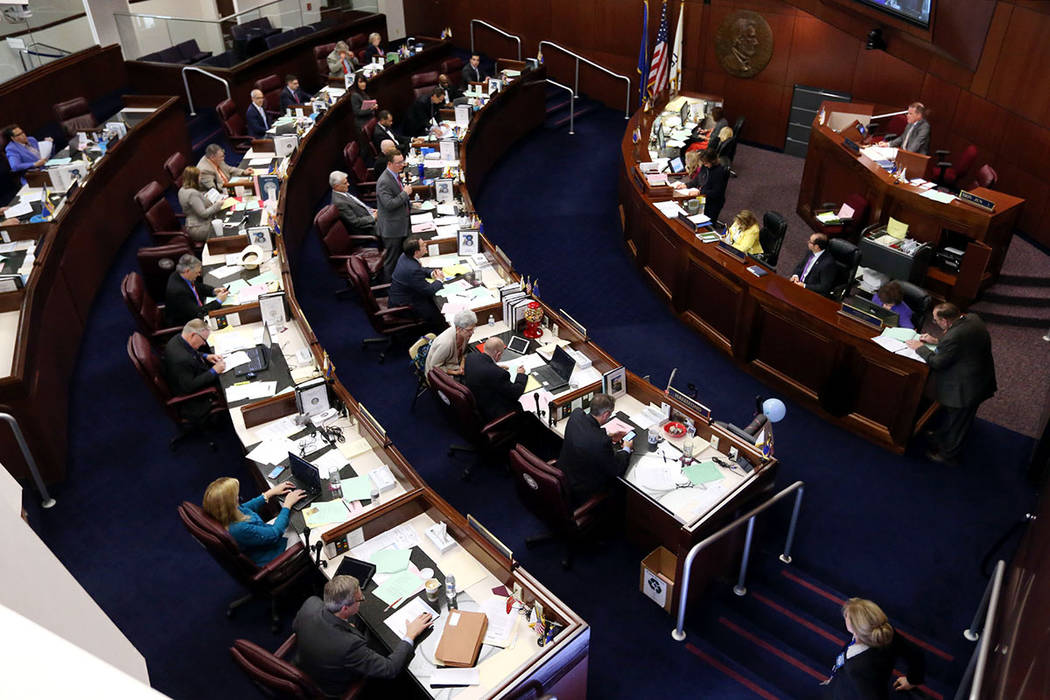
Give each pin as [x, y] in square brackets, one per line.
[738, 255]
[684, 218]
[979, 202]
[852, 312]
[851, 146]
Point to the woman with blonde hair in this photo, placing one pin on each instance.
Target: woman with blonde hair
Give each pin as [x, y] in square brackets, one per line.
[262, 543]
[374, 49]
[743, 233]
[864, 666]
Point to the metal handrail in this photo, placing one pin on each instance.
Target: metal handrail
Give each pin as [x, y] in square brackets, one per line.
[495, 29]
[576, 86]
[28, 457]
[186, 84]
[678, 633]
[64, 52]
[989, 607]
[227, 18]
[572, 104]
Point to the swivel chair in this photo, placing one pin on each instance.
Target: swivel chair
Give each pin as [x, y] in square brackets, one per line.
[148, 315]
[340, 245]
[847, 258]
[271, 87]
[389, 321]
[158, 262]
[423, 83]
[233, 125]
[357, 171]
[162, 220]
[174, 166]
[919, 301]
[74, 115]
[321, 60]
[771, 236]
[276, 676]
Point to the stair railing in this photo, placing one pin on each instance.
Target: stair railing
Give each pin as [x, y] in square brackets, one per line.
[23, 446]
[495, 29]
[799, 488]
[572, 104]
[970, 686]
[603, 69]
[186, 84]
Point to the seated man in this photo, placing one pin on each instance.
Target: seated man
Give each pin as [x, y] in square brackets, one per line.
[494, 393]
[359, 218]
[385, 130]
[386, 148]
[186, 293]
[23, 151]
[816, 271]
[450, 346]
[333, 651]
[292, 95]
[189, 367]
[409, 286]
[916, 135]
[255, 118]
[215, 172]
[340, 60]
[451, 93]
[472, 72]
[424, 112]
[588, 457]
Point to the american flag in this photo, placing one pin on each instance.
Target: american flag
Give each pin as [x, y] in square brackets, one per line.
[660, 67]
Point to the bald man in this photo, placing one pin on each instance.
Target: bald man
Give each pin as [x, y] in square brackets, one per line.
[386, 147]
[494, 393]
[255, 117]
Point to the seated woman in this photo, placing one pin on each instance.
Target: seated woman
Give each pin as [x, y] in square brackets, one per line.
[374, 49]
[198, 211]
[743, 233]
[260, 542]
[864, 667]
[891, 297]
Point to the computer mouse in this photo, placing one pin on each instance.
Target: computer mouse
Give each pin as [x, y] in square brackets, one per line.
[251, 376]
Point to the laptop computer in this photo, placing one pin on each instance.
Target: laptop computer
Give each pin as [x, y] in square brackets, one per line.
[306, 477]
[259, 356]
[889, 318]
[555, 374]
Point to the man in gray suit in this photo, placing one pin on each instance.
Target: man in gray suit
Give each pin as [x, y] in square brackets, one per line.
[360, 220]
[392, 222]
[215, 172]
[963, 372]
[334, 651]
[916, 136]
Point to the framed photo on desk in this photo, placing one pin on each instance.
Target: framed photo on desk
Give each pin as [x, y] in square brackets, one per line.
[614, 382]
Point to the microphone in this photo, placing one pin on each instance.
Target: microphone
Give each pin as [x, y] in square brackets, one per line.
[317, 550]
[536, 396]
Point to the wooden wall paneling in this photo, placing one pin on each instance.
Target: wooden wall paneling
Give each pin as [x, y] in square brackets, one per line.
[993, 42]
[713, 303]
[761, 103]
[882, 78]
[941, 98]
[814, 68]
[979, 121]
[959, 28]
[1022, 66]
[662, 264]
[1032, 188]
[1025, 144]
[880, 389]
[784, 348]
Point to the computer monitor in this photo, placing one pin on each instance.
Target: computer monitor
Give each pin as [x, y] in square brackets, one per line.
[675, 165]
[305, 472]
[562, 362]
[890, 319]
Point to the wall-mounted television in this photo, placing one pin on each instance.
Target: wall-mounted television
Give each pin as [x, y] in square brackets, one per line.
[914, 11]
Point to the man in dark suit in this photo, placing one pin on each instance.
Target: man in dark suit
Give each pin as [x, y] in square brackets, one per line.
[424, 111]
[964, 375]
[392, 203]
[334, 651]
[472, 72]
[189, 367]
[816, 271]
[409, 286]
[186, 293]
[359, 218]
[588, 457]
[292, 95]
[384, 131]
[710, 181]
[494, 393]
[916, 135]
[452, 93]
[255, 117]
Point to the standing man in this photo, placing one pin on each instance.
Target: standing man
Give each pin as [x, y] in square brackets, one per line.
[964, 374]
[292, 95]
[816, 271]
[494, 393]
[359, 218]
[385, 131]
[215, 172]
[186, 293]
[472, 72]
[189, 368]
[409, 286]
[916, 136]
[392, 222]
[588, 456]
[425, 111]
[255, 117]
[333, 651]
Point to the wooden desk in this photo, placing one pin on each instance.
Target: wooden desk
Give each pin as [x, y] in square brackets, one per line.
[789, 337]
[70, 267]
[833, 172]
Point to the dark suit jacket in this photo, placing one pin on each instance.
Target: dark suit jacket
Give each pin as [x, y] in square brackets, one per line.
[472, 76]
[867, 675]
[409, 285]
[371, 52]
[187, 372]
[358, 220]
[821, 277]
[334, 653]
[381, 133]
[181, 306]
[255, 122]
[962, 365]
[494, 393]
[392, 203]
[588, 458]
[420, 114]
[298, 98]
[712, 183]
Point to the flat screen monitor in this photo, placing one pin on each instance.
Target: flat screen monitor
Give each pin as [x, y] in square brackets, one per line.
[305, 472]
[914, 11]
[563, 363]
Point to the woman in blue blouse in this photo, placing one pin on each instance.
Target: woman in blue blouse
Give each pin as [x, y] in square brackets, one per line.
[891, 298]
[260, 542]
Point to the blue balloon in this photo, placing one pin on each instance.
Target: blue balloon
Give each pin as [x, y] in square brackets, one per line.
[774, 409]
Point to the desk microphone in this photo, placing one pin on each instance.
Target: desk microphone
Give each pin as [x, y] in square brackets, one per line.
[306, 534]
[536, 396]
[317, 550]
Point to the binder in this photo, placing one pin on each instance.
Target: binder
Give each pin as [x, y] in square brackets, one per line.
[461, 640]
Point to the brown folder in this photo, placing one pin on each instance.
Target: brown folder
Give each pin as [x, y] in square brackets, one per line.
[461, 641]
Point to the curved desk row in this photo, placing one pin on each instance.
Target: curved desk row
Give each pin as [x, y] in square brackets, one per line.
[791, 338]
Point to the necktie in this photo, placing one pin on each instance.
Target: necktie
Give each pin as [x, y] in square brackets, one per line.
[346, 66]
[193, 288]
[397, 180]
[809, 266]
[222, 175]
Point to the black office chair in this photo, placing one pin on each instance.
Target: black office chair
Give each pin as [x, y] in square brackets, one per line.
[738, 127]
[727, 153]
[847, 260]
[771, 236]
[919, 301]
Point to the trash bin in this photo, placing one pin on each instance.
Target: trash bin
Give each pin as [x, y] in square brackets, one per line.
[658, 571]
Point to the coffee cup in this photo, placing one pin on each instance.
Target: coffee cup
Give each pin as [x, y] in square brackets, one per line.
[433, 588]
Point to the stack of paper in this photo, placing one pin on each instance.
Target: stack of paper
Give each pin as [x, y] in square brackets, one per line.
[325, 513]
[670, 209]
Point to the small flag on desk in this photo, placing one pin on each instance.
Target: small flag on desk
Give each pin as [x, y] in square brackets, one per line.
[539, 55]
[764, 442]
[636, 135]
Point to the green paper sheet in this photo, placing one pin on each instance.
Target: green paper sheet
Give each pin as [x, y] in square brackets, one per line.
[264, 278]
[391, 561]
[901, 334]
[398, 586]
[703, 472]
[359, 488]
[325, 512]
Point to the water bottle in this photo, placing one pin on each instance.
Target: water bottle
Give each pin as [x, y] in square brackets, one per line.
[450, 591]
[335, 484]
[420, 171]
[492, 321]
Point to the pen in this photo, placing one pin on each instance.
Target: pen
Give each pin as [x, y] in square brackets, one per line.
[392, 604]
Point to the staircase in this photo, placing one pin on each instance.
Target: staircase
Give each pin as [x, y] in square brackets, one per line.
[205, 128]
[1016, 300]
[781, 639]
[558, 108]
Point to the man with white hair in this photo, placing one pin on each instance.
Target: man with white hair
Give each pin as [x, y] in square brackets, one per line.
[255, 118]
[494, 393]
[333, 651]
[189, 367]
[186, 296]
[360, 219]
[450, 347]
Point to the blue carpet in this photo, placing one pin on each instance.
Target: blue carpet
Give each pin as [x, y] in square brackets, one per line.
[900, 530]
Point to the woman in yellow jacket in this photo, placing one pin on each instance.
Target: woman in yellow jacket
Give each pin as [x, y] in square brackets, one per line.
[743, 233]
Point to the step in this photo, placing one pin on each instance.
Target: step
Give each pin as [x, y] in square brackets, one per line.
[1017, 296]
[557, 106]
[1024, 280]
[1013, 315]
[752, 684]
[562, 121]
